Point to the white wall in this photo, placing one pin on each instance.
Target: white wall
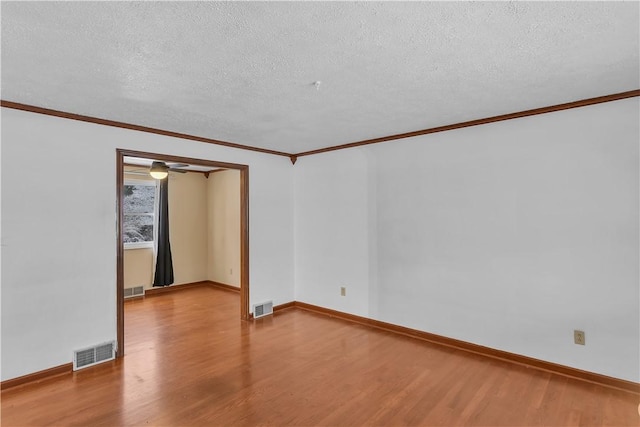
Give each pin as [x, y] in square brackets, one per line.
[59, 232]
[332, 231]
[508, 235]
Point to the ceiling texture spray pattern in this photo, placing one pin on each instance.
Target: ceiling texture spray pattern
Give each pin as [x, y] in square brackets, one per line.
[244, 71]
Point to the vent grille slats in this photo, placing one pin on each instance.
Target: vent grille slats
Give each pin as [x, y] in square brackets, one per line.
[133, 292]
[93, 355]
[104, 352]
[85, 357]
[264, 309]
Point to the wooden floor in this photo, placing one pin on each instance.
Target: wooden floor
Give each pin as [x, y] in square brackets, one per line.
[191, 361]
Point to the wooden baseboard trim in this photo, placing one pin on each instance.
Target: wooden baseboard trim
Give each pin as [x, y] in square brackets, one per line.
[591, 377]
[279, 307]
[173, 288]
[37, 376]
[619, 384]
[223, 286]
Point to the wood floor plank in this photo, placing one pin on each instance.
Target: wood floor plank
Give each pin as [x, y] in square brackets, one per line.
[192, 362]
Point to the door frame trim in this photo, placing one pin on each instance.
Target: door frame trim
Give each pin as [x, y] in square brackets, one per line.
[244, 229]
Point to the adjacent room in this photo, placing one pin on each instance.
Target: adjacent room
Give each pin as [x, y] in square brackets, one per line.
[204, 224]
[320, 213]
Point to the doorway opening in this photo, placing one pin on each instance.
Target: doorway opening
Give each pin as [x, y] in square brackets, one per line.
[121, 154]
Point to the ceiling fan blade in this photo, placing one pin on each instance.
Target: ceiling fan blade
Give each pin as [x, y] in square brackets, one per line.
[177, 165]
[177, 170]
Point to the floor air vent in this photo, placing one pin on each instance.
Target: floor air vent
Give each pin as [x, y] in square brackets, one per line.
[136, 291]
[264, 309]
[93, 355]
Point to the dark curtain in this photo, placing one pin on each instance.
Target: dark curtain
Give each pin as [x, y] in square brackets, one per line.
[164, 265]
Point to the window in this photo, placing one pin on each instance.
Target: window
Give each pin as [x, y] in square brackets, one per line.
[139, 214]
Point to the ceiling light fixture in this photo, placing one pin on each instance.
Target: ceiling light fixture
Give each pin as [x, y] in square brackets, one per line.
[159, 170]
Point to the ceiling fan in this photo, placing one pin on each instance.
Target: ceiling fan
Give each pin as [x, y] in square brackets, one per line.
[160, 170]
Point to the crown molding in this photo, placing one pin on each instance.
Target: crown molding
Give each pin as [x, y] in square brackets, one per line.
[477, 122]
[294, 157]
[130, 126]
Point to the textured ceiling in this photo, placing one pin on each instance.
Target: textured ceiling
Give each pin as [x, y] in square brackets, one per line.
[244, 71]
